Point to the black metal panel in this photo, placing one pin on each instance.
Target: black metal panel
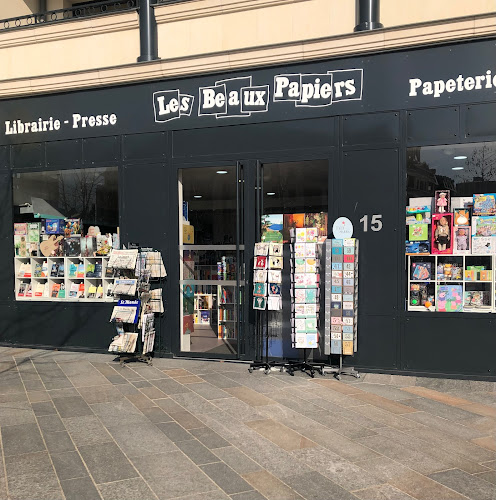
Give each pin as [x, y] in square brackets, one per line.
[64, 154]
[28, 155]
[378, 128]
[4, 156]
[254, 138]
[369, 186]
[479, 121]
[147, 220]
[137, 147]
[377, 342]
[101, 150]
[36, 323]
[450, 343]
[6, 239]
[433, 126]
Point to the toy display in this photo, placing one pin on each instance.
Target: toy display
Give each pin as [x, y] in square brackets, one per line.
[442, 242]
[449, 298]
[461, 216]
[484, 204]
[462, 240]
[418, 232]
[442, 202]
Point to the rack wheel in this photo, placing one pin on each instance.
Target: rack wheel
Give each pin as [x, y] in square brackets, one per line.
[250, 369]
[322, 372]
[149, 362]
[291, 372]
[312, 374]
[282, 369]
[357, 375]
[338, 377]
[267, 371]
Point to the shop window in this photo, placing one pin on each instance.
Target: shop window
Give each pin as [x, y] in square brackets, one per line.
[451, 228]
[65, 224]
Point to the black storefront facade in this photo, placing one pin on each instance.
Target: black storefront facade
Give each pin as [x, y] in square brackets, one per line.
[359, 116]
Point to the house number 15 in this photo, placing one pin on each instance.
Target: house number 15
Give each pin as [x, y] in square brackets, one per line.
[375, 222]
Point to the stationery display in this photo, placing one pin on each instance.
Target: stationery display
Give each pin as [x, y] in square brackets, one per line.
[341, 297]
[451, 252]
[268, 265]
[305, 290]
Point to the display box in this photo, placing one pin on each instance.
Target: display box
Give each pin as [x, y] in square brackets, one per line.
[442, 234]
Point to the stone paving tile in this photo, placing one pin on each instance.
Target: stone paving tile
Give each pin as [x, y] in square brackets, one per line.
[100, 394]
[342, 472]
[34, 385]
[109, 373]
[16, 397]
[220, 380]
[170, 386]
[424, 488]
[129, 489]
[238, 409]
[193, 402]
[35, 486]
[68, 465]
[186, 420]
[72, 406]
[37, 396]
[140, 400]
[106, 462]
[152, 392]
[249, 396]
[279, 434]
[190, 379]
[209, 438]
[198, 453]
[170, 406]
[247, 495]
[488, 442]
[50, 423]
[141, 383]
[28, 463]
[120, 412]
[207, 391]
[86, 430]
[174, 431]
[147, 440]
[491, 464]
[16, 413]
[236, 459]
[226, 478]
[43, 408]
[63, 393]
[58, 442]
[23, 438]
[81, 488]
[471, 486]
[488, 476]
[271, 487]
[382, 492]
[156, 415]
[83, 374]
[442, 410]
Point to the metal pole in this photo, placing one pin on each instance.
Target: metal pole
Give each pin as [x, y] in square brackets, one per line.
[43, 6]
[148, 32]
[367, 15]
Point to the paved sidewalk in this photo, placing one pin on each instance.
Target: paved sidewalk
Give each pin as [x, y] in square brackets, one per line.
[80, 427]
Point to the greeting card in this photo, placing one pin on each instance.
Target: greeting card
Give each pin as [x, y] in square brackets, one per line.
[275, 248]
[259, 276]
[261, 248]
[275, 276]
[259, 303]
[259, 289]
[260, 262]
[274, 289]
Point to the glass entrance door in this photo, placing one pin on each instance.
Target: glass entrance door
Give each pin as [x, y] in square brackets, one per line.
[211, 254]
[292, 194]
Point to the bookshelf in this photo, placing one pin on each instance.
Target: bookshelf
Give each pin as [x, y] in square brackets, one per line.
[67, 279]
[226, 312]
[203, 308]
[469, 276]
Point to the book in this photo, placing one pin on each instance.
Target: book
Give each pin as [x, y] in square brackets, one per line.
[34, 249]
[39, 289]
[98, 269]
[80, 293]
[34, 232]
[449, 298]
[44, 269]
[99, 292]
[73, 290]
[29, 290]
[54, 272]
[91, 292]
[88, 246]
[55, 290]
[103, 244]
[90, 270]
[37, 269]
[22, 289]
[421, 270]
[52, 226]
[72, 270]
[72, 227]
[483, 245]
[484, 204]
[60, 273]
[21, 245]
[418, 232]
[72, 246]
[80, 270]
[61, 292]
[485, 226]
[20, 229]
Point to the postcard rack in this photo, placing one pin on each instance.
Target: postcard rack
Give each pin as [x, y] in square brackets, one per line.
[138, 305]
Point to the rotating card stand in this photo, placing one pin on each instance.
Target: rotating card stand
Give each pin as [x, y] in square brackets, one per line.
[341, 309]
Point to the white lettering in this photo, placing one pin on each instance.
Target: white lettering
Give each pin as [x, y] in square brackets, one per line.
[234, 98]
[439, 87]
[350, 87]
[281, 82]
[208, 98]
[415, 83]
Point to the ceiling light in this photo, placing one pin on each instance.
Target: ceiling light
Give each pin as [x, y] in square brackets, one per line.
[221, 172]
[457, 168]
[270, 194]
[197, 196]
[459, 157]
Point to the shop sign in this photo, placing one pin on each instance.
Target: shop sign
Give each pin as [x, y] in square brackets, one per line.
[342, 228]
[238, 97]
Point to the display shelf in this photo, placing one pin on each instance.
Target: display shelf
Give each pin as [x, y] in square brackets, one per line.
[482, 292]
[58, 287]
[226, 312]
